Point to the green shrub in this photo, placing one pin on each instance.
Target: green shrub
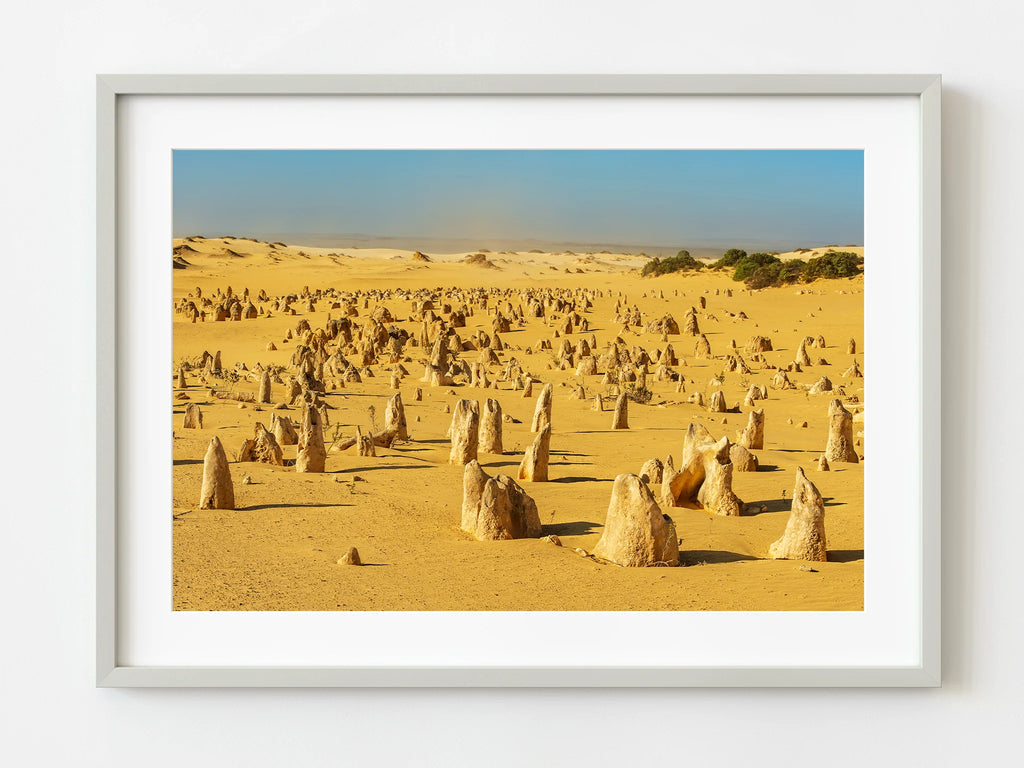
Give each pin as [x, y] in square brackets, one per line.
[748, 265]
[638, 394]
[833, 264]
[730, 257]
[681, 262]
[764, 270]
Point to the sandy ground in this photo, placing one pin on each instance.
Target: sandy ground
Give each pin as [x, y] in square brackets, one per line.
[278, 549]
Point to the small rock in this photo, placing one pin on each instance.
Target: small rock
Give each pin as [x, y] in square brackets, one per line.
[807, 569]
[247, 480]
[280, 407]
[182, 396]
[581, 552]
[803, 425]
[357, 479]
[552, 539]
[241, 406]
[350, 558]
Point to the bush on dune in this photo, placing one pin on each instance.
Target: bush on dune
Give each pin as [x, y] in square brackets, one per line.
[729, 258]
[681, 262]
[748, 265]
[764, 270]
[834, 264]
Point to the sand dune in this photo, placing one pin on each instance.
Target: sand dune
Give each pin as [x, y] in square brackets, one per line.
[811, 253]
[278, 549]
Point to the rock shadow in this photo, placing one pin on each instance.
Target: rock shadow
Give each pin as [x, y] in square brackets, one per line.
[845, 555]
[574, 528]
[692, 557]
[378, 467]
[304, 505]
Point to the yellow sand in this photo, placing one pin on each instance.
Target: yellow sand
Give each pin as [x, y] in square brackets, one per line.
[278, 549]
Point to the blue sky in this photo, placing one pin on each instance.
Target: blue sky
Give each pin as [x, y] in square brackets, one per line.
[661, 197]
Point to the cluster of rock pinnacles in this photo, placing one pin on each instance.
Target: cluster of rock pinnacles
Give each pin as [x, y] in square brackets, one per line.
[637, 532]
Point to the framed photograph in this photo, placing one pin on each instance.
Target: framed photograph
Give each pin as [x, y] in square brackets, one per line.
[518, 380]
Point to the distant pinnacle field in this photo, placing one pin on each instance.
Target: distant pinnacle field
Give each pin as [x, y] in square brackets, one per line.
[251, 533]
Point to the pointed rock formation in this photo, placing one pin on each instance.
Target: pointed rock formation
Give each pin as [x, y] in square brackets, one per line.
[715, 493]
[263, 447]
[758, 344]
[742, 459]
[752, 436]
[465, 432]
[350, 558]
[636, 533]
[534, 466]
[717, 404]
[193, 417]
[587, 366]
[490, 428]
[840, 445]
[754, 394]
[853, 372]
[704, 463]
[822, 385]
[804, 538]
[217, 492]
[781, 381]
[823, 463]
[264, 393]
[311, 455]
[802, 358]
[365, 445]
[621, 418]
[598, 402]
[496, 508]
[703, 348]
[542, 413]
[652, 471]
[283, 429]
[394, 417]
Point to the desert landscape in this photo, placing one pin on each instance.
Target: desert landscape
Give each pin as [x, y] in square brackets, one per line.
[381, 429]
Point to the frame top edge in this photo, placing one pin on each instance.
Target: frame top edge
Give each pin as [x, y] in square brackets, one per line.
[515, 84]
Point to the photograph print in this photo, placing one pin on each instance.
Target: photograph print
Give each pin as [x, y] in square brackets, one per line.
[518, 380]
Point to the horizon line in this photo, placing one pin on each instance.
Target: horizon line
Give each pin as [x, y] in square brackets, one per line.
[743, 243]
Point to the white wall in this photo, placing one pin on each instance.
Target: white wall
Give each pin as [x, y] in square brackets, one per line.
[52, 712]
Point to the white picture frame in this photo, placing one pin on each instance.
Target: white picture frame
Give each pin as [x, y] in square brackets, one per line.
[112, 671]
